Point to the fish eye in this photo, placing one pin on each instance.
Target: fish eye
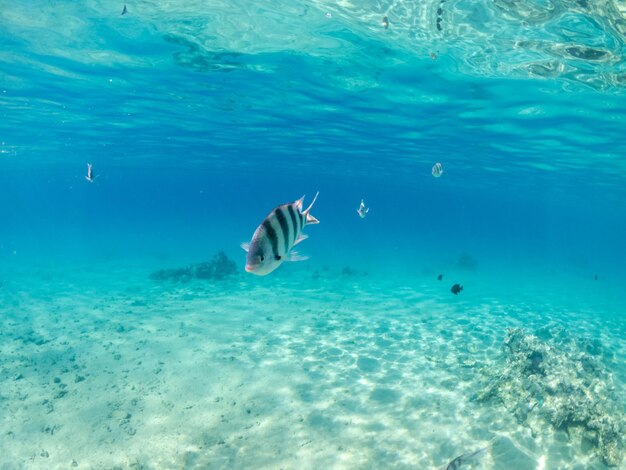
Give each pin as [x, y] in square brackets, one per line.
[262, 258]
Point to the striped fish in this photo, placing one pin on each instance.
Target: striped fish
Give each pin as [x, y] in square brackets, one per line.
[273, 240]
[90, 177]
[465, 458]
[437, 170]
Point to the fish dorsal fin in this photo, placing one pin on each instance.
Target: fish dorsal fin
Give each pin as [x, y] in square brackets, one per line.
[299, 203]
[295, 256]
[245, 246]
[301, 238]
[308, 209]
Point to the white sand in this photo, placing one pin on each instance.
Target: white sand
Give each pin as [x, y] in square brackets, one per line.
[331, 373]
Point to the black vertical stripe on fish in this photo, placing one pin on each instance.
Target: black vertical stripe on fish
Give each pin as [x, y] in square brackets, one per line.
[284, 225]
[271, 235]
[294, 224]
[302, 219]
[298, 219]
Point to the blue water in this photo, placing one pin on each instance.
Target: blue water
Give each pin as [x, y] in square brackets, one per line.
[199, 118]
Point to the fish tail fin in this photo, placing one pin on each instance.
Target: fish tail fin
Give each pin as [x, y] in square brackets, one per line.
[309, 218]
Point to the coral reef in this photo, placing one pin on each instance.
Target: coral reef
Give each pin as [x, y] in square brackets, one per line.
[219, 268]
[562, 382]
[179, 274]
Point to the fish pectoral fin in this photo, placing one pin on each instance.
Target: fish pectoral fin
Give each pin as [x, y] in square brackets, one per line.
[295, 256]
[301, 238]
[245, 246]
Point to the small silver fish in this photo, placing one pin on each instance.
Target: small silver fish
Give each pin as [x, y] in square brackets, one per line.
[437, 170]
[385, 22]
[273, 240]
[462, 459]
[362, 210]
[89, 177]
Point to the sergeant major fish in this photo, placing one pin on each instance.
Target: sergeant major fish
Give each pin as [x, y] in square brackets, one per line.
[273, 240]
[89, 176]
[363, 209]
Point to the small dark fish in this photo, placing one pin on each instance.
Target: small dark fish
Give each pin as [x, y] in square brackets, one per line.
[440, 277]
[596, 277]
[461, 459]
[124, 10]
[385, 22]
[456, 289]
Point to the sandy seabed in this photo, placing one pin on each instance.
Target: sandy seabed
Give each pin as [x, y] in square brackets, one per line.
[108, 369]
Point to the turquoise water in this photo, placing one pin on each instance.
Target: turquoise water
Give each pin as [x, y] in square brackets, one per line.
[199, 118]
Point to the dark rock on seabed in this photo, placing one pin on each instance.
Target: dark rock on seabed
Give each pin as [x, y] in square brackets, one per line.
[219, 268]
[467, 261]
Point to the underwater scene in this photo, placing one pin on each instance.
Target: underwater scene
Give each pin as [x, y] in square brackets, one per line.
[313, 234]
